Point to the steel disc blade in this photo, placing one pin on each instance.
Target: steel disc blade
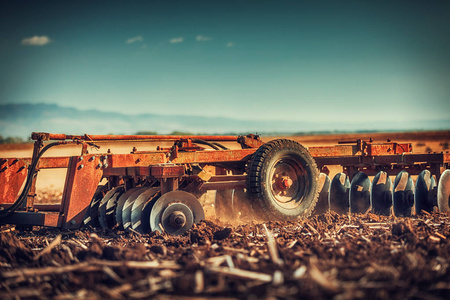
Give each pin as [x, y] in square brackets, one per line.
[128, 205]
[120, 204]
[381, 194]
[359, 193]
[443, 197]
[171, 198]
[92, 218]
[138, 204]
[104, 215]
[146, 211]
[87, 216]
[322, 205]
[425, 184]
[339, 190]
[111, 208]
[403, 194]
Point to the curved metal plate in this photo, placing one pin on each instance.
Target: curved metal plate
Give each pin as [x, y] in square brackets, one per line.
[381, 194]
[103, 214]
[322, 205]
[425, 184]
[443, 197]
[339, 192]
[87, 221]
[175, 197]
[128, 205]
[92, 218]
[111, 208]
[120, 204]
[138, 204]
[403, 194]
[146, 211]
[359, 198]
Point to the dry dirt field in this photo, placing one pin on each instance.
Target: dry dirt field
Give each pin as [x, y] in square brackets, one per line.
[326, 256]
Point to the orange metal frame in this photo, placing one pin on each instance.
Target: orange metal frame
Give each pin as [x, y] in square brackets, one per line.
[173, 166]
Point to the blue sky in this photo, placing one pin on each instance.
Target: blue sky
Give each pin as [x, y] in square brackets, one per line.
[359, 62]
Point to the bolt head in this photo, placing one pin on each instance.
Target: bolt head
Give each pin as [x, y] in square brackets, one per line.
[177, 219]
[287, 182]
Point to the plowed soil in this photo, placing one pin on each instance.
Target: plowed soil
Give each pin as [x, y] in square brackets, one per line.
[326, 256]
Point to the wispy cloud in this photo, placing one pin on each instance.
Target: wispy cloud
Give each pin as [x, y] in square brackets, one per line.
[230, 44]
[202, 38]
[135, 39]
[36, 41]
[176, 40]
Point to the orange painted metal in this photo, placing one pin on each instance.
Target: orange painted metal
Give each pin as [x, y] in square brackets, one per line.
[214, 156]
[363, 148]
[387, 148]
[167, 171]
[169, 165]
[13, 172]
[327, 151]
[83, 177]
[54, 137]
[129, 160]
[250, 141]
[50, 162]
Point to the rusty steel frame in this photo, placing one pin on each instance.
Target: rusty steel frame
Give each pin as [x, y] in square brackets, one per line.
[172, 166]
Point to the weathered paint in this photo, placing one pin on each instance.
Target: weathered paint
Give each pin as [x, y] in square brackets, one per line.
[13, 172]
[168, 165]
[83, 177]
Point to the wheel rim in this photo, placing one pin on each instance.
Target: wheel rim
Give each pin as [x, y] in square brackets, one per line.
[288, 182]
[172, 205]
[177, 218]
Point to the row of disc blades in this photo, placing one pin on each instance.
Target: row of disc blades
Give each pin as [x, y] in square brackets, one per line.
[381, 195]
[143, 209]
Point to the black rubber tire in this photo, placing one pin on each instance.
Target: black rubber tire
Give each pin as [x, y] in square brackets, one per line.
[295, 160]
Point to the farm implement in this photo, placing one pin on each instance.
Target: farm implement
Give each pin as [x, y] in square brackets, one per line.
[145, 191]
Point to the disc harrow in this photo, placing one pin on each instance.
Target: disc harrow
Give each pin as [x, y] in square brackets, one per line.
[159, 190]
[380, 196]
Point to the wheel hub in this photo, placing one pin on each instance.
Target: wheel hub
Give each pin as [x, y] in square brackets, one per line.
[175, 212]
[177, 219]
[286, 182]
[283, 182]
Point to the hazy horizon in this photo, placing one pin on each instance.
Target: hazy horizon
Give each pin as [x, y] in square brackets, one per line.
[19, 120]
